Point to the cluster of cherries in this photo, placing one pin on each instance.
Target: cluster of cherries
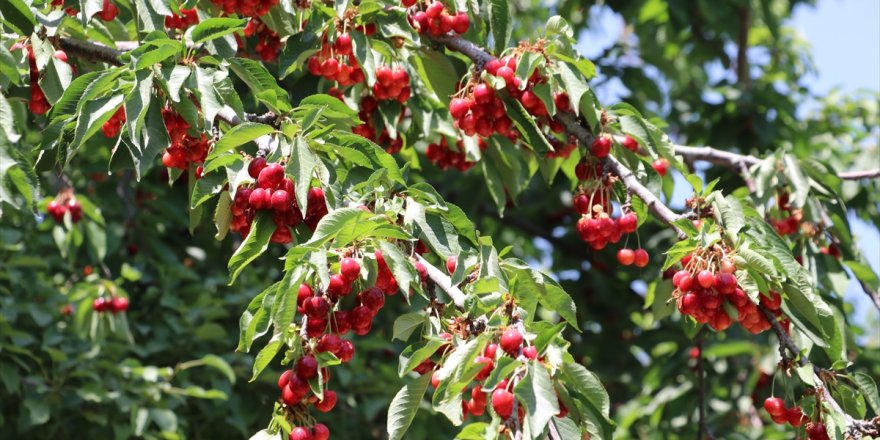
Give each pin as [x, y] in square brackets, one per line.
[445, 157]
[115, 304]
[367, 128]
[187, 18]
[64, 203]
[479, 110]
[596, 226]
[245, 8]
[391, 84]
[336, 62]
[326, 322]
[791, 218]
[561, 149]
[436, 21]
[707, 280]
[184, 149]
[38, 104]
[274, 191]
[268, 42]
[113, 126]
[781, 415]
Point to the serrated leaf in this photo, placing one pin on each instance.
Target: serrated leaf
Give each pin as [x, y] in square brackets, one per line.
[343, 225]
[525, 123]
[263, 85]
[868, 388]
[406, 324]
[238, 136]
[216, 27]
[264, 357]
[401, 266]
[411, 356]
[404, 406]
[499, 24]
[93, 116]
[253, 245]
[588, 384]
[536, 392]
[18, 16]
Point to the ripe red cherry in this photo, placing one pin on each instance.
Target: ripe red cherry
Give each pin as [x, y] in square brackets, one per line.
[530, 352]
[817, 431]
[488, 365]
[774, 406]
[451, 262]
[630, 144]
[284, 379]
[373, 298]
[346, 351]
[475, 408]
[328, 403]
[511, 341]
[260, 198]
[727, 266]
[795, 416]
[601, 147]
[75, 210]
[725, 283]
[281, 201]
[772, 301]
[502, 402]
[307, 367]
[99, 304]
[349, 269]
[256, 166]
[338, 286]
[706, 279]
[119, 304]
[434, 10]
[408, 3]
[329, 343]
[460, 23]
[459, 107]
[300, 433]
[507, 74]
[641, 258]
[343, 43]
[316, 307]
[626, 256]
[361, 317]
[320, 431]
[483, 94]
[330, 67]
[270, 176]
[661, 166]
[628, 223]
[490, 351]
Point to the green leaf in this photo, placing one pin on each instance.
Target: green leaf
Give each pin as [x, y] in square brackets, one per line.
[216, 27]
[209, 100]
[678, 251]
[525, 123]
[263, 85]
[93, 116]
[206, 187]
[150, 54]
[18, 16]
[401, 267]
[439, 233]
[264, 357]
[238, 136]
[253, 245]
[406, 324]
[536, 392]
[411, 356]
[301, 165]
[343, 225]
[404, 406]
[868, 388]
[255, 320]
[588, 384]
[575, 85]
[499, 23]
[219, 364]
[329, 102]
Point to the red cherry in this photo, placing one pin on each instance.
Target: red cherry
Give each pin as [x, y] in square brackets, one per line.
[490, 350]
[346, 351]
[434, 10]
[461, 23]
[328, 403]
[408, 3]
[626, 256]
[483, 94]
[774, 406]
[300, 433]
[817, 431]
[475, 408]
[641, 258]
[119, 304]
[628, 223]
[725, 283]
[316, 307]
[260, 198]
[75, 210]
[459, 107]
[727, 266]
[530, 352]
[349, 269]
[307, 367]
[361, 317]
[630, 144]
[281, 201]
[373, 298]
[255, 166]
[488, 365]
[661, 166]
[451, 263]
[320, 431]
[511, 341]
[271, 176]
[100, 304]
[795, 416]
[338, 286]
[284, 379]
[706, 279]
[507, 74]
[502, 402]
[60, 55]
[601, 147]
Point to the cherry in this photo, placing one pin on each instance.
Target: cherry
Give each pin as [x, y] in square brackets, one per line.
[361, 317]
[488, 365]
[434, 10]
[774, 406]
[329, 343]
[706, 278]
[475, 408]
[435, 379]
[628, 223]
[281, 201]
[725, 283]
[109, 11]
[601, 147]
[727, 266]
[530, 352]
[270, 176]
[255, 166]
[284, 379]
[630, 144]
[641, 258]
[490, 351]
[349, 269]
[346, 351]
[511, 341]
[119, 304]
[328, 403]
[99, 304]
[320, 431]
[502, 402]
[461, 23]
[773, 301]
[408, 3]
[795, 416]
[300, 433]
[661, 166]
[75, 210]
[316, 307]
[338, 286]
[289, 397]
[483, 94]
[626, 256]
[260, 198]
[451, 262]
[817, 431]
[459, 107]
[307, 367]
[373, 298]
[60, 55]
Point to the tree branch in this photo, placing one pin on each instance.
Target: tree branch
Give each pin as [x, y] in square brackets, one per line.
[443, 282]
[858, 175]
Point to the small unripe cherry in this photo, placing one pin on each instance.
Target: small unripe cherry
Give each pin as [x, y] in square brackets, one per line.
[630, 144]
[774, 406]
[451, 263]
[328, 403]
[626, 256]
[307, 367]
[706, 279]
[661, 166]
[641, 258]
[511, 341]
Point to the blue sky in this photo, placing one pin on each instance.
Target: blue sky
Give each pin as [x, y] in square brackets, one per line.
[845, 40]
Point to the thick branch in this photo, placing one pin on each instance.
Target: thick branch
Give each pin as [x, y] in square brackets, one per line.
[91, 51]
[479, 56]
[858, 175]
[443, 282]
